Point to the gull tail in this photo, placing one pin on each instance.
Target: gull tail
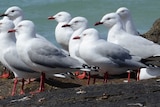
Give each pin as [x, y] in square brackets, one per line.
[88, 68]
[68, 75]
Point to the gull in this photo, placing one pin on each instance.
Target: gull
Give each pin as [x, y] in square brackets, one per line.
[148, 73]
[137, 45]
[62, 34]
[41, 55]
[78, 24]
[111, 58]
[16, 14]
[127, 21]
[9, 57]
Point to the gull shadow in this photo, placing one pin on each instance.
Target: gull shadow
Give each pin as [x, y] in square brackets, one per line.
[60, 84]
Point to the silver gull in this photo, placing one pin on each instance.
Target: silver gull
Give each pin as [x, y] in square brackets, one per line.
[78, 24]
[137, 45]
[41, 55]
[127, 20]
[62, 34]
[111, 58]
[15, 14]
[9, 57]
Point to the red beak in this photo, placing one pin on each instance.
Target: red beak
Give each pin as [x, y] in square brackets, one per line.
[76, 37]
[51, 18]
[12, 30]
[98, 23]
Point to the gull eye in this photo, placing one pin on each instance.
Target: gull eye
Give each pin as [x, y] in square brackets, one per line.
[76, 22]
[108, 18]
[59, 15]
[84, 34]
[20, 26]
[12, 11]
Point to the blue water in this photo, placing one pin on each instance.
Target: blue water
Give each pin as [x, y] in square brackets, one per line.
[144, 12]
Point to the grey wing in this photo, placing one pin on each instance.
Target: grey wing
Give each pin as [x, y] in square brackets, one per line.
[15, 62]
[114, 51]
[48, 55]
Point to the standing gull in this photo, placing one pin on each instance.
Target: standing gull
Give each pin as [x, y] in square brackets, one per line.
[62, 34]
[9, 57]
[15, 14]
[41, 55]
[127, 20]
[137, 45]
[111, 58]
[78, 24]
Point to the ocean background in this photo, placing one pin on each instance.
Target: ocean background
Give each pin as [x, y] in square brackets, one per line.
[144, 12]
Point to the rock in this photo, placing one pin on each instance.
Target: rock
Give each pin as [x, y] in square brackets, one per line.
[154, 33]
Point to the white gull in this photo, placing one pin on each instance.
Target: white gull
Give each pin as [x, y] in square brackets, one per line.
[62, 34]
[41, 55]
[148, 73]
[9, 57]
[110, 57]
[127, 20]
[137, 45]
[15, 14]
[78, 24]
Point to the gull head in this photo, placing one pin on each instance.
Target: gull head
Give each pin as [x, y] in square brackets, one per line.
[13, 12]
[61, 17]
[110, 19]
[123, 12]
[78, 22]
[25, 27]
[5, 25]
[90, 34]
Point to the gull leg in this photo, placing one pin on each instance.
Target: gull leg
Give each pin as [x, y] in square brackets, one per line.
[129, 75]
[94, 79]
[41, 87]
[5, 74]
[22, 86]
[138, 73]
[105, 77]
[80, 76]
[89, 77]
[14, 86]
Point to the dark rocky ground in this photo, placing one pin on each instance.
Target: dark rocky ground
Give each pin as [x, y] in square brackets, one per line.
[75, 92]
[154, 33]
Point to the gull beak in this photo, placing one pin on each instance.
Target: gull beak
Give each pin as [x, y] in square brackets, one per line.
[98, 23]
[12, 30]
[76, 37]
[66, 25]
[51, 18]
[2, 15]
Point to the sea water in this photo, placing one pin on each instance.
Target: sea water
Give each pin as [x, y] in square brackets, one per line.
[144, 12]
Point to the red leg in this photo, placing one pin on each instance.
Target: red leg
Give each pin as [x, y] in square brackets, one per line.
[105, 77]
[41, 87]
[22, 87]
[129, 75]
[94, 79]
[89, 77]
[14, 86]
[138, 73]
[5, 74]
